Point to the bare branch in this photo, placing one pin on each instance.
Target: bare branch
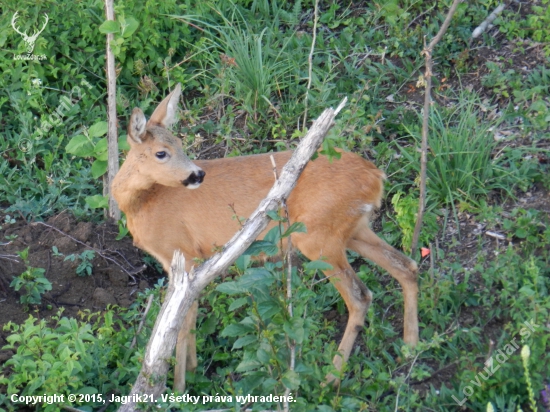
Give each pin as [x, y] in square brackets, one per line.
[310, 61]
[112, 134]
[427, 103]
[145, 312]
[483, 26]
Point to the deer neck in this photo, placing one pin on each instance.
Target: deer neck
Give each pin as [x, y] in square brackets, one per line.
[130, 189]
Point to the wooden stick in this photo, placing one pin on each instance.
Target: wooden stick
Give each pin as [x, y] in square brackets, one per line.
[427, 52]
[310, 61]
[149, 302]
[483, 26]
[112, 134]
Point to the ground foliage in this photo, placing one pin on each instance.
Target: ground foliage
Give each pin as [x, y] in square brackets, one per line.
[244, 68]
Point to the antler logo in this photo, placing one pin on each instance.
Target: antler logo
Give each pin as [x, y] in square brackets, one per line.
[29, 40]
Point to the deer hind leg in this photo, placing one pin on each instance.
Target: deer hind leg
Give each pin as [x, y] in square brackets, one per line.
[186, 348]
[355, 294]
[403, 269]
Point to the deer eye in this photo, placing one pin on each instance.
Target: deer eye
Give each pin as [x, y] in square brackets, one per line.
[160, 155]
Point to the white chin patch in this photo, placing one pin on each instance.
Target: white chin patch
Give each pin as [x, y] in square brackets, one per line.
[193, 186]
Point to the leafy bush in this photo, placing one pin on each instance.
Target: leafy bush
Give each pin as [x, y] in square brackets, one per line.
[45, 103]
[534, 24]
[91, 356]
[32, 281]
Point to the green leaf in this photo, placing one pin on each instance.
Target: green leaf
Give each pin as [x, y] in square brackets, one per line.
[209, 325]
[263, 356]
[295, 329]
[296, 227]
[268, 309]
[317, 265]
[291, 380]
[88, 390]
[303, 368]
[273, 235]
[330, 151]
[521, 233]
[255, 277]
[97, 202]
[237, 329]
[242, 262]
[123, 142]
[115, 49]
[221, 356]
[237, 303]
[274, 215]
[81, 146]
[230, 288]
[526, 290]
[262, 246]
[100, 150]
[109, 26]
[99, 167]
[129, 27]
[98, 129]
[245, 340]
[247, 365]
[539, 106]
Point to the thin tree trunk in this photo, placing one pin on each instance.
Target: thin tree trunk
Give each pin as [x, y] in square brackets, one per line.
[112, 135]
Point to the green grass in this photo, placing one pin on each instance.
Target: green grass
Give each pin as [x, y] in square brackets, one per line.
[248, 60]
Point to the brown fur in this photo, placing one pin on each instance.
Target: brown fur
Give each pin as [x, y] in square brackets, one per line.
[333, 199]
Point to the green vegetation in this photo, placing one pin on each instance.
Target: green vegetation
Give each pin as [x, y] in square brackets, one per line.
[32, 281]
[85, 266]
[460, 165]
[89, 356]
[244, 68]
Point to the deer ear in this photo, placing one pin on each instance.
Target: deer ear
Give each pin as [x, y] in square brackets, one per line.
[165, 114]
[136, 128]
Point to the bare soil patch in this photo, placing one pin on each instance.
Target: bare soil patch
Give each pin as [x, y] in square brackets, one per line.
[118, 268]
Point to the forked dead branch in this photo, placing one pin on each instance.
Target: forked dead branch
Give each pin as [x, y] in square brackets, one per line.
[333, 199]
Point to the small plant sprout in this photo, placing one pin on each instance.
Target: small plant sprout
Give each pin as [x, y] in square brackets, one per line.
[85, 267]
[56, 252]
[32, 281]
[8, 220]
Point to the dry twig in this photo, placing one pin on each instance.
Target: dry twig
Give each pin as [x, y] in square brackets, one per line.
[487, 22]
[292, 343]
[140, 326]
[112, 135]
[310, 60]
[427, 52]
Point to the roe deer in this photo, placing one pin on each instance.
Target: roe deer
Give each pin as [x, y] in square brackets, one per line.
[333, 199]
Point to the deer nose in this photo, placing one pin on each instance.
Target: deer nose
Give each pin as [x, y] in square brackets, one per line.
[195, 178]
